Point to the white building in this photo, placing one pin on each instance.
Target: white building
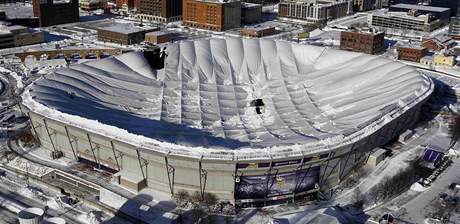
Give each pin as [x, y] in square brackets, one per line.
[315, 11]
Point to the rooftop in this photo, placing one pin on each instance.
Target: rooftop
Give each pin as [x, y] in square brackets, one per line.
[412, 46]
[420, 7]
[217, 1]
[125, 28]
[399, 15]
[158, 33]
[17, 10]
[250, 5]
[258, 28]
[16, 27]
[233, 93]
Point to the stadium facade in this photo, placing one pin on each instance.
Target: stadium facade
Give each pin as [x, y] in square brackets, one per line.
[251, 120]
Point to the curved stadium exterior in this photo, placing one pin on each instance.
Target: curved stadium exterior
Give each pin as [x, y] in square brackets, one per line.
[252, 121]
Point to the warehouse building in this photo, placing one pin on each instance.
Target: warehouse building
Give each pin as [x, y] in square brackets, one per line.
[123, 33]
[412, 53]
[370, 42]
[158, 37]
[438, 42]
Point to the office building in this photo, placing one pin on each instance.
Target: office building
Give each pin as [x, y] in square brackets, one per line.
[158, 10]
[250, 13]
[453, 5]
[314, 11]
[362, 41]
[6, 39]
[55, 12]
[406, 21]
[16, 36]
[454, 28]
[211, 15]
[436, 12]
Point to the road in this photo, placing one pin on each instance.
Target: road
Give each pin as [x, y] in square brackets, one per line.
[417, 208]
[10, 195]
[7, 217]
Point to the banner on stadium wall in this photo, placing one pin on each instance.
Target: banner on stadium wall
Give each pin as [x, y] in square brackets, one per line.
[261, 186]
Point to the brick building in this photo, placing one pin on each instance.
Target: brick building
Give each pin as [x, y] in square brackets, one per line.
[364, 5]
[55, 12]
[438, 42]
[158, 37]
[362, 41]
[123, 33]
[258, 31]
[212, 15]
[158, 10]
[90, 5]
[412, 53]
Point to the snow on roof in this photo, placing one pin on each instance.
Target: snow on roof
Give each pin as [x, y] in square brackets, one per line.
[420, 7]
[204, 97]
[125, 28]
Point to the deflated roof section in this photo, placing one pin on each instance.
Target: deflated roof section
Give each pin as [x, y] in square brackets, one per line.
[205, 94]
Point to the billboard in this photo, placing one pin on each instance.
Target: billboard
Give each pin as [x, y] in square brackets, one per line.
[276, 184]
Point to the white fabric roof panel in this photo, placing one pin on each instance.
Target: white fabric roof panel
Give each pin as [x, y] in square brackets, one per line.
[202, 97]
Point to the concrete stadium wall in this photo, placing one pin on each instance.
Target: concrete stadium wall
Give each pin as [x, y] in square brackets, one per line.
[185, 173]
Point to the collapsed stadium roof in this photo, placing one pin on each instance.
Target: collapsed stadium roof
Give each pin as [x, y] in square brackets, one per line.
[231, 93]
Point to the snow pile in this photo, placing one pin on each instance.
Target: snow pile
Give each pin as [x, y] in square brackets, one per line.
[417, 187]
[28, 167]
[89, 218]
[30, 192]
[11, 205]
[18, 79]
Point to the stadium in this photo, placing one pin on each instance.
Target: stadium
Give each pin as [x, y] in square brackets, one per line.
[253, 121]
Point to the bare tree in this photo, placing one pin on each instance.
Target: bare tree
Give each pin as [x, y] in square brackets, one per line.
[358, 199]
[196, 197]
[374, 194]
[182, 197]
[209, 199]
